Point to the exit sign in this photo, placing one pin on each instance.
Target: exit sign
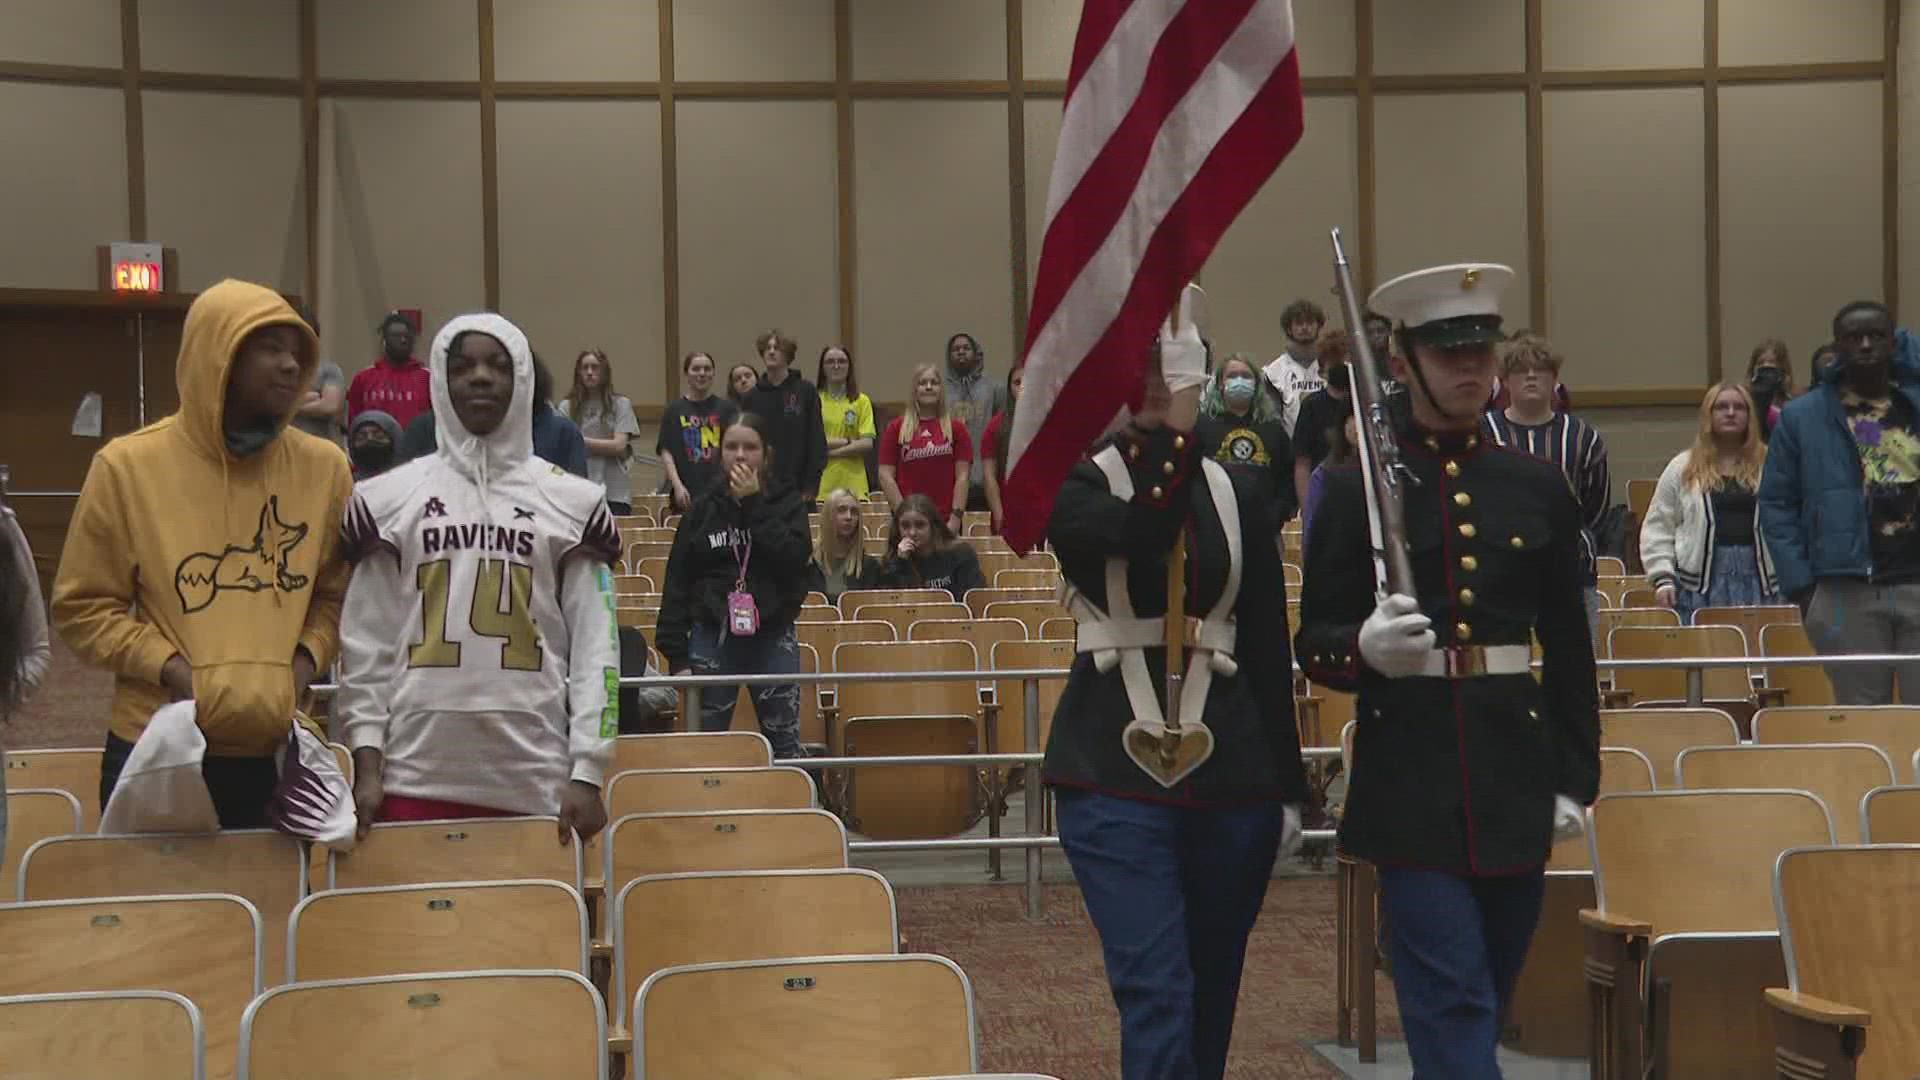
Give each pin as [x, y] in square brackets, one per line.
[136, 268]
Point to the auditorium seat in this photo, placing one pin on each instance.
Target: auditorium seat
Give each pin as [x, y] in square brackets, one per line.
[75, 771]
[1891, 815]
[266, 868]
[853, 600]
[1750, 620]
[33, 814]
[889, 719]
[439, 1026]
[903, 615]
[1670, 683]
[676, 919]
[817, 613]
[1322, 715]
[652, 791]
[204, 947]
[640, 845]
[647, 565]
[1031, 612]
[820, 1018]
[1633, 616]
[1839, 774]
[1058, 628]
[978, 599]
[1026, 578]
[1661, 734]
[1009, 695]
[1851, 933]
[445, 926]
[150, 1034]
[463, 849]
[1893, 728]
[1685, 886]
[1613, 587]
[1796, 684]
[1609, 566]
[692, 750]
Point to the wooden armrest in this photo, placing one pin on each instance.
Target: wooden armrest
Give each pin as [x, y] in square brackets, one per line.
[619, 1041]
[601, 950]
[1817, 1010]
[1608, 923]
[1615, 699]
[1769, 697]
[989, 697]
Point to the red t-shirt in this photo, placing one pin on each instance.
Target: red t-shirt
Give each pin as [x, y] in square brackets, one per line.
[990, 445]
[401, 392]
[926, 465]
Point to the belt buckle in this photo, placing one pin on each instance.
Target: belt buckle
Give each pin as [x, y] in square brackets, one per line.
[1465, 661]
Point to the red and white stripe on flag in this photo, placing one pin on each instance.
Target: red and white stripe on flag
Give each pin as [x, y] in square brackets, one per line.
[1177, 112]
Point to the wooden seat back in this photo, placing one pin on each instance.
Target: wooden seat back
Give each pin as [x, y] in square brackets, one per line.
[978, 599]
[442, 1026]
[642, 845]
[1850, 932]
[666, 791]
[1750, 620]
[1891, 815]
[1621, 769]
[692, 750]
[853, 600]
[1058, 628]
[675, 919]
[204, 947]
[1034, 613]
[1610, 618]
[902, 616]
[1661, 643]
[982, 634]
[1661, 734]
[1839, 774]
[1686, 861]
[33, 814]
[1712, 987]
[146, 1033]
[827, 1018]
[943, 697]
[1893, 728]
[75, 771]
[1804, 684]
[912, 802]
[1026, 578]
[466, 849]
[447, 926]
[825, 638]
[1010, 735]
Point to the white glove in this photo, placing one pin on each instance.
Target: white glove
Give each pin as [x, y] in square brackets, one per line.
[1290, 837]
[1183, 356]
[1569, 820]
[1396, 638]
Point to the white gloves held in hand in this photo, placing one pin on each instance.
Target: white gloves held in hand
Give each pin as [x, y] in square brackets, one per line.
[1183, 356]
[1396, 638]
[1569, 819]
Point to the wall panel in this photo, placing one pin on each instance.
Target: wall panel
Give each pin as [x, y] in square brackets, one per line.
[233, 207]
[580, 235]
[1625, 195]
[930, 201]
[407, 232]
[1441, 202]
[1323, 29]
[419, 39]
[757, 193]
[1046, 36]
[1419, 37]
[1800, 31]
[1800, 231]
[1043, 117]
[65, 178]
[1578, 35]
[1278, 250]
[753, 40]
[916, 40]
[85, 32]
[581, 40]
[221, 37]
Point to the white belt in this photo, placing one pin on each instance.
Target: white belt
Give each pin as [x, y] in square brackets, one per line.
[1467, 661]
[1104, 638]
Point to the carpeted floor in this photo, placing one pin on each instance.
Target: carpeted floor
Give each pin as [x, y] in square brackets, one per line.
[1039, 994]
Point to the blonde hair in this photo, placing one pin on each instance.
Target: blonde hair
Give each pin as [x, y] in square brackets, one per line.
[826, 553]
[1703, 472]
[910, 420]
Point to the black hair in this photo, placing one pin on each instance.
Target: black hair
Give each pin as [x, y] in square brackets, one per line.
[542, 382]
[1369, 316]
[923, 505]
[1302, 309]
[820, 372]
[1858, 305]
[979, 354]
[760, 426]
[13, 641]
[392, 317]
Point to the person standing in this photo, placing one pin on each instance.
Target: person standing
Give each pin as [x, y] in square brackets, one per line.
[1701, 542]
[927, 451]
[973, 399]
[689, 442]
[607, 426]
[373, 444]
[1466, 768]
[1770, 382]
[1324, 409]
[24, 651]
[1240, 428]
[324, 405]
[479, 657]
[792, 406]
[204, 561]
[397, 384]
[1295, 373]
[846, 415]
[1840, 505]
[1174, 863]
[996, 445]
[555, 438]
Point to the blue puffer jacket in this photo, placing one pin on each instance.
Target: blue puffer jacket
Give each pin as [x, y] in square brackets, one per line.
[1813, 503]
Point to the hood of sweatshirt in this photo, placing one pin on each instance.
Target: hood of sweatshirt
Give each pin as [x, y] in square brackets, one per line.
[505, 447]
[219, 320]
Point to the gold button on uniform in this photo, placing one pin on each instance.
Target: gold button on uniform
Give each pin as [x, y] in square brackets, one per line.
[1133, 452]
[1466, 597]
[1167, 468]
[1452, 468]
[1473, 441]
[1463, 631]
[1467, 530]
[1157, 492]
[1517, 542]
[1467, 562]
[1179, 442]
[1461, 498]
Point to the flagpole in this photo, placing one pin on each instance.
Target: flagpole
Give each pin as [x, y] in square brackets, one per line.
[1176, 619]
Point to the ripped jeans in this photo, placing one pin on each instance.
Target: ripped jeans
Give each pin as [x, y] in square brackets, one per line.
[773, 651]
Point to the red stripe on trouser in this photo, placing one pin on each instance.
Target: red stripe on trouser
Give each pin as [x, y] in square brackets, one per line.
[408, 808]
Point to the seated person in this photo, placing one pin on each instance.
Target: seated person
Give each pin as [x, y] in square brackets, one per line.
[480, 657]
[840, 560]
[923, 553]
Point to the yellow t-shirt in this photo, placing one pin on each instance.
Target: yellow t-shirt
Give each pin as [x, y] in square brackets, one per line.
[845, 419]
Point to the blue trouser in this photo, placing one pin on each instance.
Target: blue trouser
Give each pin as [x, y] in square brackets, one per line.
[1457, 945]
[1173, 893]
[772, 651]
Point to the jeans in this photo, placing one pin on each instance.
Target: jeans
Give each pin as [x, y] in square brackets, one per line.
[773, 651]
[1173, 892]
[241, 786]
[1457, 947]
[1848, 615]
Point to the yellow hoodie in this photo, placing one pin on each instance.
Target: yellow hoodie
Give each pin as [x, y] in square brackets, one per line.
[178, 546]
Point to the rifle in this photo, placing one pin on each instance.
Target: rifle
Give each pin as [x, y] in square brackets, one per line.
[1385, 475]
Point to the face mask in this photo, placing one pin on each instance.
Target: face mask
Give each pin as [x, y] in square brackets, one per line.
[372, 457]
[1239, 389]
[1766, 380]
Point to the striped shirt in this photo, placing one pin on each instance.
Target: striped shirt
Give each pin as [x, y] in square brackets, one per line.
[1577, 448]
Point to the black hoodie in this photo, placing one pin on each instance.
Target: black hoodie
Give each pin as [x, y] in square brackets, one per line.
[702, 569]
[954, 568]
[799, 432]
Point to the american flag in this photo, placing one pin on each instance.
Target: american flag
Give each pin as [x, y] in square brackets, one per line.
[1177, 112]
